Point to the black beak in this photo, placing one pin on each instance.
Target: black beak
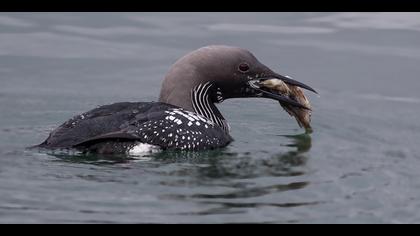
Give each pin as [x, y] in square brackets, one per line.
[256, 85]
[291, 81]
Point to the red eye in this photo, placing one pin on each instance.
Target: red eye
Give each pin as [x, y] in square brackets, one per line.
[243, 67]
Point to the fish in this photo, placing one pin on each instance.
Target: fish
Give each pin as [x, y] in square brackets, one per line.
[302, 115]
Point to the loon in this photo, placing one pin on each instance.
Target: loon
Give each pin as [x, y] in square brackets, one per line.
[185, 117]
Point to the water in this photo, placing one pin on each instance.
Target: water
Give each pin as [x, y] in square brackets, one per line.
[359, 166]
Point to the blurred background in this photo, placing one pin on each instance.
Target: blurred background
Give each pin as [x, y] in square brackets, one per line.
[360, 165]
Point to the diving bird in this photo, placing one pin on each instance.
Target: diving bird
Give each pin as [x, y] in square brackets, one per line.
[186, 117]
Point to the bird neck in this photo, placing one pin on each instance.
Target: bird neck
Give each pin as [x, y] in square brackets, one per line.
[202, 102]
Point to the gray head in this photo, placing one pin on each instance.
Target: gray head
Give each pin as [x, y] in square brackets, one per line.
[221, 72]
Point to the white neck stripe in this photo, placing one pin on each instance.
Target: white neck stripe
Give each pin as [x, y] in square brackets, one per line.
[202, 105]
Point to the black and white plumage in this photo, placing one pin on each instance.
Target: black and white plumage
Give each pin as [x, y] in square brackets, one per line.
[185, 118]
[120, 127]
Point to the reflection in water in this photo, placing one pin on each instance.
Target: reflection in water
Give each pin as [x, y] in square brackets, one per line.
[254, 192]
[302, 143]
[236, 167]
[247, 165]
[83, 158]
[215, 164]
[200, 171]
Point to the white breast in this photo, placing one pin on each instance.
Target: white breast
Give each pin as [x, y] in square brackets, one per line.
[143, 148]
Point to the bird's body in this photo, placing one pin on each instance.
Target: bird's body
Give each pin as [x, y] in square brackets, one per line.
[122, 127]
[185, 118]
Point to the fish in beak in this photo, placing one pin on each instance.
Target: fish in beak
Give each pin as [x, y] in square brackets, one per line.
[289, 94]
